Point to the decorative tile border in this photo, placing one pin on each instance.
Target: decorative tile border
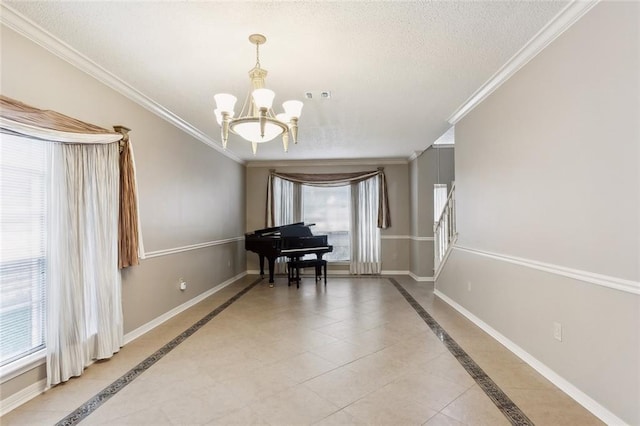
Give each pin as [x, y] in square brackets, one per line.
[103, 396]
[507, 407]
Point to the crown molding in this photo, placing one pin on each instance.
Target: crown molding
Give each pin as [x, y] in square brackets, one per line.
[554, 28]
[38, 35]
[416, 154]
[328, 162]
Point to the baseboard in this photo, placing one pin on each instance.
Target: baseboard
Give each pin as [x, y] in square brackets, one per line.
[388, 272]
[420, 279]
[345, 272]
[284, 275]
[26, 394]
[583, 399]
[17, 399]
[178, 309]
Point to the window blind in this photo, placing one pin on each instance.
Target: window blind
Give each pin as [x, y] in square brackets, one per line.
[330, 209]
[23, 176]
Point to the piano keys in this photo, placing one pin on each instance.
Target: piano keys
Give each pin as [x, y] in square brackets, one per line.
[293, 240]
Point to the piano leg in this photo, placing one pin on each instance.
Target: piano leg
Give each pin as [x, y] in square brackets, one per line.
[261, 256]
[272, 267]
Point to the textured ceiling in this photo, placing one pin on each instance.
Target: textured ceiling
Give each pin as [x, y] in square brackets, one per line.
[396, 69]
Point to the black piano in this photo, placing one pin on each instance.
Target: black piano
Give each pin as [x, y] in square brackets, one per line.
[294, 240]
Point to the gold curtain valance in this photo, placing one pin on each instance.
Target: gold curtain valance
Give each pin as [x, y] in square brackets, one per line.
[334, 179]
[326, 179]
[23, 120]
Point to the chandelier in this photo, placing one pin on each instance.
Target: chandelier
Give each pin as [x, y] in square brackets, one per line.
[257, 122]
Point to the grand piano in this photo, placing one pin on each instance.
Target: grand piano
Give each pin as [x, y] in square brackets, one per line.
[293, 240]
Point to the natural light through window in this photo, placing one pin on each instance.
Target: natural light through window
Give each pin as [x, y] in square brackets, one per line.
[22, 246]
[329, 208]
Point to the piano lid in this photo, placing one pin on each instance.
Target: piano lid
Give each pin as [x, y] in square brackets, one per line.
[289, 229]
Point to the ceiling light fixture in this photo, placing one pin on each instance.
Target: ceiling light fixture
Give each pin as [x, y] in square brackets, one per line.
[257, 122]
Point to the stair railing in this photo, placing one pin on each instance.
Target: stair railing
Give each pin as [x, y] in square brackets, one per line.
[444, 231]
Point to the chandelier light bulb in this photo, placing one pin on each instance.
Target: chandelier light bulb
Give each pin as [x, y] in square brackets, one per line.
[293, 108]
[263, 98]
[225, 102]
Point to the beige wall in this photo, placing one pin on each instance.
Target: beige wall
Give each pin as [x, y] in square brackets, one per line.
[395, 242]
[547, 171]
[189, 192]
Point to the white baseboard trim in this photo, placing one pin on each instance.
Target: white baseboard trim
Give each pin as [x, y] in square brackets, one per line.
[420, 279]
[621, 284]
[405, 237]
[178, 309]
[583, 399]
[346, 272]
[26, 394]
[389, 272]
[281, 275]
[17, 399]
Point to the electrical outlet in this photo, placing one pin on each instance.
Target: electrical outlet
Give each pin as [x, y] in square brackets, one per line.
[557, 331]
[183, 285]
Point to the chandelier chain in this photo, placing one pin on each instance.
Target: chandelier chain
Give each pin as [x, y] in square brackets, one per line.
[257, 55]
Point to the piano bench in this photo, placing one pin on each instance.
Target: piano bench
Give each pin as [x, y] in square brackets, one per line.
[320, 266]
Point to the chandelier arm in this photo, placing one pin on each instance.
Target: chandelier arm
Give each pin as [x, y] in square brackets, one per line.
[263, 120]
[225, 129]
[293, 127]
[245, 111]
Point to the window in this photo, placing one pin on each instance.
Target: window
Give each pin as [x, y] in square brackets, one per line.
[329, 208]
[22, 246]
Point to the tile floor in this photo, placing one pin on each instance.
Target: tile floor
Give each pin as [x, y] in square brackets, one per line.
[355, 352]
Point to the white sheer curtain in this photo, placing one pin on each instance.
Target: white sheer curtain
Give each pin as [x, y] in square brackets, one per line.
[287, 197]
[84, 312]
[365, 235]
[287, 201]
